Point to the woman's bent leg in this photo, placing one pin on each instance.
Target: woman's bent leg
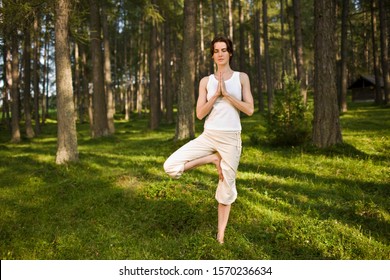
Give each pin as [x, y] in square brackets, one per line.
[196, 152]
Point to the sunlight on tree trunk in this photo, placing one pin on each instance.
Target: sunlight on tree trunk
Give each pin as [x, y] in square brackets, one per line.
[67, 135]
[185, 127]
[326, 126]
[100, 122]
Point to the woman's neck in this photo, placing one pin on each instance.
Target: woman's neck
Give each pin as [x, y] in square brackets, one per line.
[224, 69]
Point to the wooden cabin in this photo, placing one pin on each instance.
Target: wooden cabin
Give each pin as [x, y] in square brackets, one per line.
[363, 88]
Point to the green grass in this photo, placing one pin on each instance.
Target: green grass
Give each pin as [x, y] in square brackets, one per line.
[117, 203]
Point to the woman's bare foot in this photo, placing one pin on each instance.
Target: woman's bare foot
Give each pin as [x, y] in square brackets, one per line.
[213, 158]
[217, 161]
[220, 238]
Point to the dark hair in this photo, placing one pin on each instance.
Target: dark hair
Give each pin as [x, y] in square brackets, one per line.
[223, 39]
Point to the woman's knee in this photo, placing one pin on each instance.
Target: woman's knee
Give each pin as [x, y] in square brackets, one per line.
[172, 169]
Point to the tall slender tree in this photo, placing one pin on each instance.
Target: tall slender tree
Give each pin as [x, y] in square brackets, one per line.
[185, 126]
[344, 56]
[154, 89]
[168, 90]
[15, 104]
[257, 52]
[107, 73]
[36, 72]
[268, 74]
[378, 89]
[100, 122]
[384, 50]
[299, 48]
[326, 126]
[67, 150]
[27, 82]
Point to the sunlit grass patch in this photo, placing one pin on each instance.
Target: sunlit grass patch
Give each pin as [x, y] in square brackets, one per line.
[117, 202]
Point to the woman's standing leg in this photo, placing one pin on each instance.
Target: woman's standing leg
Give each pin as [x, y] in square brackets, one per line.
[229, 147]
[223, 217]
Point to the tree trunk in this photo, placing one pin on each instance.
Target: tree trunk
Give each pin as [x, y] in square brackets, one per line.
[154, 91]
[7, 84]
[107, 74]
[378, 89]
[100, 122]
[85, 108]
[282, 35]
[230, 19]
[268, 74]
[384, 50]
[344, 56]
[77, 78]
[27, 83]
[45, 82]
[215, 30]
[326, 126]
[141, 70]
[185, 126]
[259, 71]
[15, 105]
[67, 134]
[242, 55]
[169, 91]
[299, 49]
[36, 75]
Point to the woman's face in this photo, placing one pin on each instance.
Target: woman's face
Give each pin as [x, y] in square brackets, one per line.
[221, 54]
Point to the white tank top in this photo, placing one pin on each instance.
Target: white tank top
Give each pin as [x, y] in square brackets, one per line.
[224, 116]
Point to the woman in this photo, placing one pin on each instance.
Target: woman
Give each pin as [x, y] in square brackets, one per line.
[221, 98]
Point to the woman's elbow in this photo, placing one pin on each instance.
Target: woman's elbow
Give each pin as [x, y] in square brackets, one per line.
[250, 111]
[199, 116]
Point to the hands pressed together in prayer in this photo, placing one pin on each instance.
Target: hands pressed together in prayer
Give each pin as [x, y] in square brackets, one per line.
[221, 90]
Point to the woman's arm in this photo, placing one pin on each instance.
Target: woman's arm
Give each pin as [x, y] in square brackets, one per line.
[203, 107]
[246, 104]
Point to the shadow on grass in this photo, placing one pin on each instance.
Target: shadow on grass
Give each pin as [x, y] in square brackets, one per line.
[73, 216]
[355, 202]
[344, 150]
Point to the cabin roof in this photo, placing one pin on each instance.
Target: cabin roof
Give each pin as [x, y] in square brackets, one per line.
[364, 81]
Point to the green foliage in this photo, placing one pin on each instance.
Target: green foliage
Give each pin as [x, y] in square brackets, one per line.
[117, 202]
[289, 122]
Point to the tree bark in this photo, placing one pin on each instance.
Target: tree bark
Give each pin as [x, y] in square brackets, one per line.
[230, 19]
[326, 126]
[7, 84]
[185, 126]
[36, 76]
[384, 50]
[67, 135]
[154, 92]
[15, 105]
[242, 55]
[27, 83]
[6, 64]
[100, 122]
[107, 74]
[268, 74]
[257, 53]
[378, 89]
[169, 91]
[344, 57]
[140, 70]
[299, 49]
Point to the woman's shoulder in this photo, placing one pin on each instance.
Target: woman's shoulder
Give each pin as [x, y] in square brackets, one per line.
[205, 79]
[243, 76]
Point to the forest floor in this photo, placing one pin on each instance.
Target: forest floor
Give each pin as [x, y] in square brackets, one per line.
[117, 203]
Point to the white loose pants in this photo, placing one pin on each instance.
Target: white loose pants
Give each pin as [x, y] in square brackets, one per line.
[227, 144]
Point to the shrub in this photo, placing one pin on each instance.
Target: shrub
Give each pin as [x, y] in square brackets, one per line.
[289, 122]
